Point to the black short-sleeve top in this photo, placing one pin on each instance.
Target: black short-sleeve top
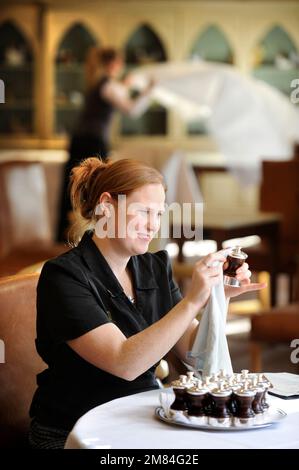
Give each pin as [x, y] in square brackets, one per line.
[76, 293]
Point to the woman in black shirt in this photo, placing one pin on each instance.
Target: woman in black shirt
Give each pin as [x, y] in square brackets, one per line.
[108, 311]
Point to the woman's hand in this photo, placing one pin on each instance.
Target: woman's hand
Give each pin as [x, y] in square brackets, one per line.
[243, 275]
[206, 273]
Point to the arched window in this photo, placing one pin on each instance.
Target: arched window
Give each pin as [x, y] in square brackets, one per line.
[144, 46]
[69, 76]
[212, 45]
[276, 59]
[16, 71]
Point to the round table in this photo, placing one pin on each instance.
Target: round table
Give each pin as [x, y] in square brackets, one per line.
[130, 423]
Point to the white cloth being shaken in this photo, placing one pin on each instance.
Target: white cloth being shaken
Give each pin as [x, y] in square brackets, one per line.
[249, 120]
[210, 351]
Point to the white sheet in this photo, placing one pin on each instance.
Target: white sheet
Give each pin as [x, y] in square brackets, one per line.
[250, 120]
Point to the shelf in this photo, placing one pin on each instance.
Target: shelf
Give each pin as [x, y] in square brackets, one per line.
[22, 106]
[68, 107]
[20, 68]
[69, 69]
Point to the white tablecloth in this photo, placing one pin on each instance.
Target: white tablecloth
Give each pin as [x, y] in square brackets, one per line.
[130, 423]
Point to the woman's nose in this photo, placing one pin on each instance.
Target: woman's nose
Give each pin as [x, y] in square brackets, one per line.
[153, 223]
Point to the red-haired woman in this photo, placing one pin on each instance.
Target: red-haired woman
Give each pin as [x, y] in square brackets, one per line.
[107, 310]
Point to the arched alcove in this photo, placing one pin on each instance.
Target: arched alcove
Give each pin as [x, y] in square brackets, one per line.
[212, 45]
[276, 59]
[16, 71]
[69, 75]
[276, 42]
[143, 47]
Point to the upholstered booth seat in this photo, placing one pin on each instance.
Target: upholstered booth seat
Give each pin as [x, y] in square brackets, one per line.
[21, 361]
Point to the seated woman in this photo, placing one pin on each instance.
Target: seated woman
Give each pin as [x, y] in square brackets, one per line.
[108, 311]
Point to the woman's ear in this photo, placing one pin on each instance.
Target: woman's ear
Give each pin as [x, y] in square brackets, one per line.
[104, 205]
[103, 210]
[107, 213]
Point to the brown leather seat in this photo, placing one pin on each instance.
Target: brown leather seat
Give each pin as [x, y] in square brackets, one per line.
[25, 231]
[22, 363]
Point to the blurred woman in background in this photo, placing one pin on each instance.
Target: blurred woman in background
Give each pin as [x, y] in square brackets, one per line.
[91, 136]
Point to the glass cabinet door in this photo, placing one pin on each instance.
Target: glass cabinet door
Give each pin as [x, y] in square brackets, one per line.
[212, 46]
[144, 47]
[70, 77]
[276, 59]
[16, 71]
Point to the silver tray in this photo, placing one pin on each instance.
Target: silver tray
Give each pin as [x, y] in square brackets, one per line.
[270, 417]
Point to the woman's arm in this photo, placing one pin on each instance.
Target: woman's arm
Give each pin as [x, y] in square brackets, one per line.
[117, 94]
[185, 343]
[106, 346]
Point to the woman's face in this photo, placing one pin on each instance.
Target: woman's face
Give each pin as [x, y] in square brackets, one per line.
[143, 209]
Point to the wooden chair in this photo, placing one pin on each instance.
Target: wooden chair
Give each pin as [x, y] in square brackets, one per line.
[275, 326]
[25, 234]
[21, 361]
[280, 193]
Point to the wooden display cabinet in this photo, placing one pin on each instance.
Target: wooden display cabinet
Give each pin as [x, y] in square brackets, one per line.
[44, 92]
[17, 73]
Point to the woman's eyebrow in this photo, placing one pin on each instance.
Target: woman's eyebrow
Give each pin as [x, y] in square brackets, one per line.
[162, 209]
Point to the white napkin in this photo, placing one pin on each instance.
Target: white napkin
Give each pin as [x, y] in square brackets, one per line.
[210, 351]
[284, 383]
